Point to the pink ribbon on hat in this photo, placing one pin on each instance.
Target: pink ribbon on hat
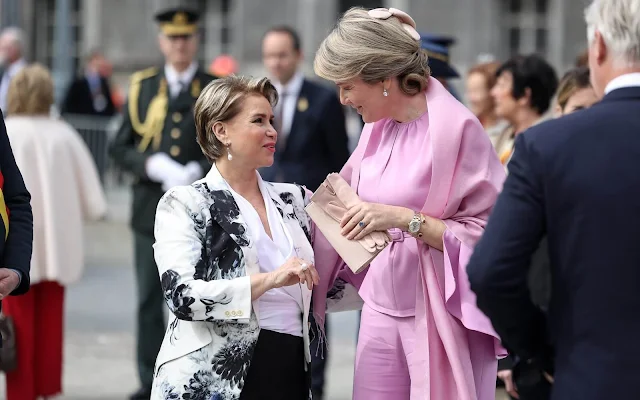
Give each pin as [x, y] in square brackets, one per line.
[405, 19]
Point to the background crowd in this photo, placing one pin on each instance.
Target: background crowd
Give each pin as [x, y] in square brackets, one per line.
[65, 170]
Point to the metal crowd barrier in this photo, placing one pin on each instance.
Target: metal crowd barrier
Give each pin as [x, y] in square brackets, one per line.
[97, 132]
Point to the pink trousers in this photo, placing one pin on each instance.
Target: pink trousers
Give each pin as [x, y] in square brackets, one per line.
[384, 365]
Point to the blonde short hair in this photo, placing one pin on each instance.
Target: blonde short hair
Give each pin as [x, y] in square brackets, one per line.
[371, 49]
[220, 101]
[30, 91]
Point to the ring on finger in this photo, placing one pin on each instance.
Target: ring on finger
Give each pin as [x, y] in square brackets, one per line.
[362, 224]
[304, 267]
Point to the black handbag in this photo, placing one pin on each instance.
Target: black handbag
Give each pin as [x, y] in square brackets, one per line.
[8, 359]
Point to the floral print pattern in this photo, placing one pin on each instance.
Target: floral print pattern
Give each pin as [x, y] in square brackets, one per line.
[337, 290]
[217, 370]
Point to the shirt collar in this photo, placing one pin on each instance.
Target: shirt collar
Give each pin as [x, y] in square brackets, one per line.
[185, 77]
[92, 76]
[16, 66]
[292, 87]
[626, 80]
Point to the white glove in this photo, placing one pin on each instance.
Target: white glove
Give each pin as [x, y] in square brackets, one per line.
[193, 172]
[160, 167]
[188, 174]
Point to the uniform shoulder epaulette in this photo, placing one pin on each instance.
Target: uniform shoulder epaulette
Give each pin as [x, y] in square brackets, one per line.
[144, 74]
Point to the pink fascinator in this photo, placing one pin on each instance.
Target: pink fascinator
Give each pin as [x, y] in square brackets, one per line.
[408, 23]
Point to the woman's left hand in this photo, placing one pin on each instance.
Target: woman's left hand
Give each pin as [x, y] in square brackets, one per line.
[364, 218]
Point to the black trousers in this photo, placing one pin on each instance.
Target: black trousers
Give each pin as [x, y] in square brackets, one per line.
[150, 323]
[277, 369]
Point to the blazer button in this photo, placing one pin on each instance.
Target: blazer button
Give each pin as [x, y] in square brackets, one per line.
[233, 313]
[227, 314]
[175, 133]
[240, 313]
[174, 151]
[177, 117]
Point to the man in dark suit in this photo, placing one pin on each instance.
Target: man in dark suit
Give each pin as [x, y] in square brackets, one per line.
[16, 227]
[312, 135]
[309, 119]
[574, 179]
[90, 94]
[157, 143]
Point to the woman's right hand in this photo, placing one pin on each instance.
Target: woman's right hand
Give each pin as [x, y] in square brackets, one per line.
[294, 270]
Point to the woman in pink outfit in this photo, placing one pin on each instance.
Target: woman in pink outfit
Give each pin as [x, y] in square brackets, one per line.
[427, 173]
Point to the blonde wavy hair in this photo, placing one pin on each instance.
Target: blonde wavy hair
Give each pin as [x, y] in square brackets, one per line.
[30, 91]
[373, 50]
[220, 101]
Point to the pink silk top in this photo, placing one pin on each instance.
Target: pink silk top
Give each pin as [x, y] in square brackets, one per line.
[459, 347]
[395, 170]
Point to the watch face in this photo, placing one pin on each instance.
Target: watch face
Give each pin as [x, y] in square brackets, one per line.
[414, 226]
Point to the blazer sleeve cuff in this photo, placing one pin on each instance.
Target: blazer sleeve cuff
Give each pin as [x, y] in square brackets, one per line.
[240, 306]
[19, 275]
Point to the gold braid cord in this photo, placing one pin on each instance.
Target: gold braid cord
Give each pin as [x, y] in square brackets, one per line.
[151, 128]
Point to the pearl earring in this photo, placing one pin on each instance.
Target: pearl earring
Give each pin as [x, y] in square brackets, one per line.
[229, 156]
[385, 93]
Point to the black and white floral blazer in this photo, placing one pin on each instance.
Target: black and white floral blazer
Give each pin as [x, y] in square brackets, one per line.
[205, 257]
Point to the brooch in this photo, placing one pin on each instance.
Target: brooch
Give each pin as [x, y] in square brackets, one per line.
[303, 104]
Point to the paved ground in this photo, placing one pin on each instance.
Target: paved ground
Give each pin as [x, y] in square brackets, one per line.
[99, 345]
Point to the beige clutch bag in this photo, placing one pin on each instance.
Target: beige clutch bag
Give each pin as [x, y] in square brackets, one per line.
[327, 207]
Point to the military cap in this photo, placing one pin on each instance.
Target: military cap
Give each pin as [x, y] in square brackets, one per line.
[444, 41]
[439, 60]
[177, 21]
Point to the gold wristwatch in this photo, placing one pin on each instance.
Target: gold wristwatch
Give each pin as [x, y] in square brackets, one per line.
[415, 224]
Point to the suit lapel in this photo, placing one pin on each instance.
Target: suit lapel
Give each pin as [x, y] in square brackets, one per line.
[87, 88]
[292, 212]
[297, 128]
[226, 213]
[275, 197]
[286, 205]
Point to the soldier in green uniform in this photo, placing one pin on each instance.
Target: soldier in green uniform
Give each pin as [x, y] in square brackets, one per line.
[157, 143]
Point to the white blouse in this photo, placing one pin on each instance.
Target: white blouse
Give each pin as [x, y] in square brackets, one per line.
[281, 309]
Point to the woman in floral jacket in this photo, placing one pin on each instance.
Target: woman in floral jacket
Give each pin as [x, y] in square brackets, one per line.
[235, 261]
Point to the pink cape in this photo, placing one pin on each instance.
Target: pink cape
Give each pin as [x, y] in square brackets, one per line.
[466, 179]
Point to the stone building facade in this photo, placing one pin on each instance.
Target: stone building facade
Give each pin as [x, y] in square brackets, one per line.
[124, 29]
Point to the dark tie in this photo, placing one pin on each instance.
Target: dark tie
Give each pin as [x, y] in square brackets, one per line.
[182, 87]
[99, 99]
[278, 119]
